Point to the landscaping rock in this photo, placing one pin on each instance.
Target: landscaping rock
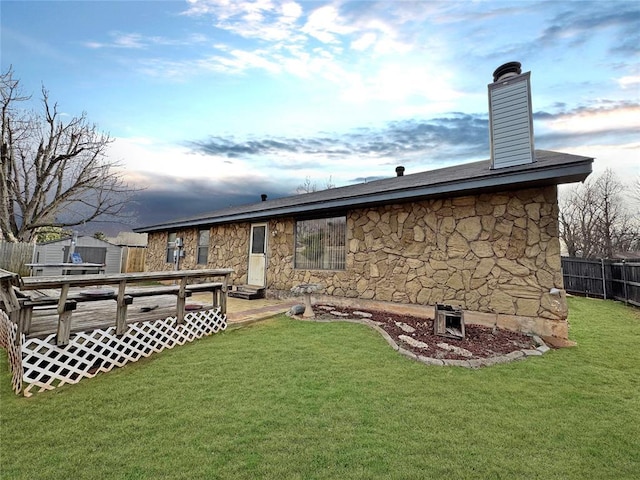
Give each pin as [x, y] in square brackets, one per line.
[543, 349]
[457, 350]
[405, 328]
[296, 310]
[413, 342]
[532, 353]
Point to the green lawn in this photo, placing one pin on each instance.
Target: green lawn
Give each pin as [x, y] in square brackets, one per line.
[287, 399]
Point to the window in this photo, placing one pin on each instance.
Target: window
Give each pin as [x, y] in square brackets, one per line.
[258, 240]
[320, 243]
[171, 239]
[203, 247]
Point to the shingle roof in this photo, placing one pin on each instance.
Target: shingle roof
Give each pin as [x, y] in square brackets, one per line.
[550, 168]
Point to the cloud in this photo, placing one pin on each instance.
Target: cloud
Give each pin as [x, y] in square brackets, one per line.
[438, 140]
[601, 122]
[631, 81]
[137, 41]
[326, 25]
[577, 23]
[246, 167]
[170, 198]
[264, 20]
[337, 43]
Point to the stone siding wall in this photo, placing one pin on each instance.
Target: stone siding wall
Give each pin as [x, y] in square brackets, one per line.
[491, 254]
[228, 248]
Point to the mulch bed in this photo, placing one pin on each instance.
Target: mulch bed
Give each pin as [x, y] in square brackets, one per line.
[479, 341]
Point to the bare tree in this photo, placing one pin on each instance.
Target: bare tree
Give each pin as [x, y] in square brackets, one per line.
[595, 220]
[53, 173]
[635, 189]
[308, 186]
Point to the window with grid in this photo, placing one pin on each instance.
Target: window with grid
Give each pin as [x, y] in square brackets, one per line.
[320, 243]
[203, 247]
[171, 238]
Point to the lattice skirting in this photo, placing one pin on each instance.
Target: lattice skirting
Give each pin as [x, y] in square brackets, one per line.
[46, 366]
[11, 342]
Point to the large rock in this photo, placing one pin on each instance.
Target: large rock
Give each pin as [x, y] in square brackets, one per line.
[527, 307]
[470, 228]
[512, 267]
[502, 303]
[553, 254]
[457, 246]
[515, 207]
[484, 268]
[556, 304]
[438, 264]
[455, 281]
[545, 279]
[482, 249]
[447, 226]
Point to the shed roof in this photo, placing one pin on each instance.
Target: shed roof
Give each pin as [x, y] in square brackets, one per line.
[550, 168]
[67, 240]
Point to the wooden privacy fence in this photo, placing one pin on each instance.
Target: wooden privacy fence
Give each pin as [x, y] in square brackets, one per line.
[14, 256]
[133, 259]
[66, 356]
[608, 279]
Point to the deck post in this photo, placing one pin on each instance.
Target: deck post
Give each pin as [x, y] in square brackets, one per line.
[182, 295]
[24, 319]
[223, 295]
[121, 309]
[64, 317]
[216, 297]
[64, 323]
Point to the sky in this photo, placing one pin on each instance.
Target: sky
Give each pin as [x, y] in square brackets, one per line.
[212, 103]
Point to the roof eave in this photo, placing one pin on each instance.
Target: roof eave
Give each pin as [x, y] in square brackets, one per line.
[508, 180]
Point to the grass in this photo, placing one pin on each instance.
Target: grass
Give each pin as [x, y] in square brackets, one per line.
[299, 400]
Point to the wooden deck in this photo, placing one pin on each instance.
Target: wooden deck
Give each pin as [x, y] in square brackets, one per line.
[102, 314]
[61, 329]
[76, 303]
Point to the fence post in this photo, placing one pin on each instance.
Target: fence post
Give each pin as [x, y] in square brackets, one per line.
[624, 283]
[604, 280]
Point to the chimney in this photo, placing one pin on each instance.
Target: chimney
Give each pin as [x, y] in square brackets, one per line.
[510, 117]
[400, 171]
[263, 197]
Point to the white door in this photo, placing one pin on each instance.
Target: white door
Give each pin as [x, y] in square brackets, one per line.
[257, 255]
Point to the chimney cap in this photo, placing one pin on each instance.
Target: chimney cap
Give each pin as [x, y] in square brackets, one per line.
[509, 69]
[400, 171]
[263, 196]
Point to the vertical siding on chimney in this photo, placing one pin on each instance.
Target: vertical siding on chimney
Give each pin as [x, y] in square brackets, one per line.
[510, 122]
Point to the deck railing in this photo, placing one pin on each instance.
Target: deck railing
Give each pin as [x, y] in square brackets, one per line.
[66, 301]
[44, 363]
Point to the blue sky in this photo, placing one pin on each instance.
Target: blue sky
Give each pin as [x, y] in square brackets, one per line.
[211, 103]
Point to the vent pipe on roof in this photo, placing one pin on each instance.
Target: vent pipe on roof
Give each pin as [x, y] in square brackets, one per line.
[400, 171]
[263, 197]
[510, 117]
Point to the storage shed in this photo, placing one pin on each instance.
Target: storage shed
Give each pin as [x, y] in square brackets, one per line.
[90, 250]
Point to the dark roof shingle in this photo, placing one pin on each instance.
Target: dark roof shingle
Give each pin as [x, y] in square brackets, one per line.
[550, 168]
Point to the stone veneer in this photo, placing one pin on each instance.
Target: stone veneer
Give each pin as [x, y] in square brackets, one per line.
[496, 255]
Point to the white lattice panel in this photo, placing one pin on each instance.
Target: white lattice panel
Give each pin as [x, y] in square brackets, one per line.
[47, 366]
[8, 336]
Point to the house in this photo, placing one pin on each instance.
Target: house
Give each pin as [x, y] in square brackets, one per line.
[481, 235]
[48, 256]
